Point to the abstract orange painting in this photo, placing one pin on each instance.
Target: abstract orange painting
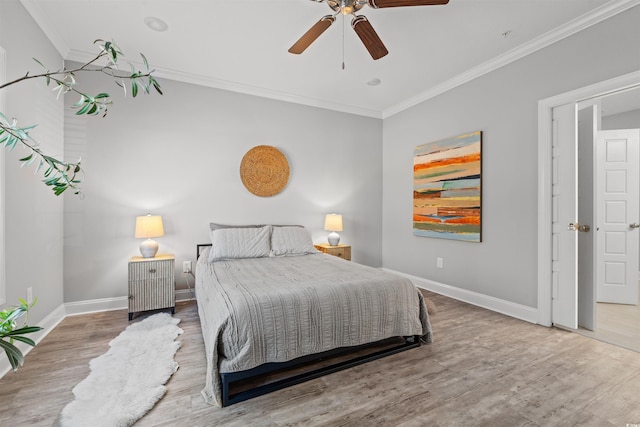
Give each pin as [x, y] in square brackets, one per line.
[447, 188]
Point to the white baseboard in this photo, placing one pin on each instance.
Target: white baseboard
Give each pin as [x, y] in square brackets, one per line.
[47, 324]
[96, 305]
[185, 294]
[518, 311]
[117, 303]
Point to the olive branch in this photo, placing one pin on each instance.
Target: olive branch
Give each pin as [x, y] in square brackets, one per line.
[58, 174]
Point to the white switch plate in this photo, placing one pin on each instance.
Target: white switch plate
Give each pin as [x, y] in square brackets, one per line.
[439, 262]
[186, 266]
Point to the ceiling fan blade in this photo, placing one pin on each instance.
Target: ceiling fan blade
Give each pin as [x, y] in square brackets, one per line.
[378, 4]
[311, 35]
[369, 37]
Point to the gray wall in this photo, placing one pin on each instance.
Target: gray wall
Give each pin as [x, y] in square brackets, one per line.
[179, 155]
[33, 214]
[627, 120]
[503, 104]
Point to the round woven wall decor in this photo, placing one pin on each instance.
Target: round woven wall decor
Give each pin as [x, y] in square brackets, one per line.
[264, 171]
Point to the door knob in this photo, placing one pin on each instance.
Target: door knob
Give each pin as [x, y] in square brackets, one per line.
[634, 225]
[583, 228]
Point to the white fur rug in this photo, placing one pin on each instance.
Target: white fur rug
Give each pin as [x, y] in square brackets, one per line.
[128, 380]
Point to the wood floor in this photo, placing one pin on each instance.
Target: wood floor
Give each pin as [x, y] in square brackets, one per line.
[617, 324]
[484, 369]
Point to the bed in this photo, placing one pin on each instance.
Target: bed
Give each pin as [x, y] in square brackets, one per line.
[268, 300]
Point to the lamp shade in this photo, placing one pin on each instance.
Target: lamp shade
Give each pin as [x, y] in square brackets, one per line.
[149, 226]
[333, 222]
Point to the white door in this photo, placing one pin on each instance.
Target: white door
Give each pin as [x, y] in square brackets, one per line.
[564, 306]
[618, 195]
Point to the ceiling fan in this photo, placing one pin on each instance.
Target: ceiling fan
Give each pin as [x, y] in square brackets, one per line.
[359, 23]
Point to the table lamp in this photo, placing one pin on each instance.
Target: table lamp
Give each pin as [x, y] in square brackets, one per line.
[149, 226]
[333, 223]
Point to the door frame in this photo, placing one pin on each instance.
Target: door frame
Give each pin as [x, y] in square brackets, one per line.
[545, 205]
[3, 277]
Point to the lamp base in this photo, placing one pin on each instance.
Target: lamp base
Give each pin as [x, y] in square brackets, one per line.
[148, 248]
[334, 238]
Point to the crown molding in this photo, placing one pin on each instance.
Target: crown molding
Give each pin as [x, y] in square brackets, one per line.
[266, 93]
[576, 25]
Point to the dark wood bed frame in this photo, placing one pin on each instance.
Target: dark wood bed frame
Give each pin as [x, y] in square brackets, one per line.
[230, 379]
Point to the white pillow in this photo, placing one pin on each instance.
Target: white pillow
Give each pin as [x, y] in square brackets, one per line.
[217, 226]
[231, 243]
[291, 240]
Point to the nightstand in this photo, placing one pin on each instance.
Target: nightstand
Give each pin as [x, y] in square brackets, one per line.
[341, 251]
[151, 284]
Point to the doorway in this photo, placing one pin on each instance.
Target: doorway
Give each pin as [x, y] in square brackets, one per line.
[547, 287]
[616, 313]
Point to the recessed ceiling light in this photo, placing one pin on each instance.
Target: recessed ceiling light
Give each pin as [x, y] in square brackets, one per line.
[156, 24]
[374, 82]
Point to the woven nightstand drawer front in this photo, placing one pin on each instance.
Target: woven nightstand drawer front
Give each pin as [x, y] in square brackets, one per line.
[151, 285]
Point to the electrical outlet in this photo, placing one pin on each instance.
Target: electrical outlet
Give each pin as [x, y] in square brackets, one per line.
[439, 262]
[186, 266]
[29, 295]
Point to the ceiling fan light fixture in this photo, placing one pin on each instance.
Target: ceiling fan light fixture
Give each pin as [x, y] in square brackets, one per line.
[345, 7]
[156, 24]
[347, 10]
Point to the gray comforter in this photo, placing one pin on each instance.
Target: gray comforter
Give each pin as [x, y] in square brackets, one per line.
[259, 310]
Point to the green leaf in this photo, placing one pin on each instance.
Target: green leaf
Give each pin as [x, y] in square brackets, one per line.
[11, 142]
[13, 354]
[80, 101]
[25, 340]
[156, 85]
[25, 330]
[41, 64]
[134, 88]
[40, 163]
[84, 109]
[144, 59]
[15, 314]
